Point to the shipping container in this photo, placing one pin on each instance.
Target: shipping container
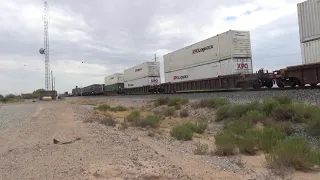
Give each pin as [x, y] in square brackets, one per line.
[145, 81]
[147, 69]
[114, 87]
[310, 52]
[309, 20]
[226, 45]
[113, 79]
[212, 70]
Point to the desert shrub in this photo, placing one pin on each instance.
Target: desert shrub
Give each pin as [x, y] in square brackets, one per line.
[214, 102]
[109, 121]
[133, 116]
[270, 137]
[254, 116]
[222, 113]
[201, 149]
[239, 110]
[184, 113]
[182, 132]
[286, 127]
[103, 107]
[198, 127]
[151, 120]
[269, 105]
[161, 101]
[283, 99]
[169, 111]
[118, 108]
[176, 101]
[249, 142]
[225, 143]
[313, 126]
[177, 107]
[283, 113]
[239, 126]
[293, 152]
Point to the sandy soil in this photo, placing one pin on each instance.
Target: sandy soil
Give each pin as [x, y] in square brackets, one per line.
[27, 149]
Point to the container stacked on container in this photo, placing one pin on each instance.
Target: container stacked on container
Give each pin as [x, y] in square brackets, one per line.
[224, 54]
[144, 74]
[114, 82]
[309, 29]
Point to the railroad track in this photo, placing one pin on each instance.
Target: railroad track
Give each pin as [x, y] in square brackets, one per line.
[215, 91]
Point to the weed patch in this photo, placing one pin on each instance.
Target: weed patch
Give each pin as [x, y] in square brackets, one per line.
[283, 99]
[177, 101]
[249, 142]
[118, 108]
[103, 107]
[213, 103]
[133, 116]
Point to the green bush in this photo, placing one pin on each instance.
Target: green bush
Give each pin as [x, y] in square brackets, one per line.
[225, 143]
[313, 126]
[285, 127]
[270, 137]
[133, 116]
[249, 142]
[151, 120]
[184, 113]
[169, 111]
[239, 126]
[161, 101]
[182, 132]
[283, 99]
[118, 108]
[223, 113]
[269, 105]
[293, 152]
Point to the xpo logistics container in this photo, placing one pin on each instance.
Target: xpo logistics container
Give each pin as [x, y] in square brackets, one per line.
[309, 20]
[224, 54]
[309, 29]
[147, 73]
[114, 82]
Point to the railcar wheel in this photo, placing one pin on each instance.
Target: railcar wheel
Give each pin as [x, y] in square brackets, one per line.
[313, 85]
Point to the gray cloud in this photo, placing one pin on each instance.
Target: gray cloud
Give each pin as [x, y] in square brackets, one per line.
[117, 35]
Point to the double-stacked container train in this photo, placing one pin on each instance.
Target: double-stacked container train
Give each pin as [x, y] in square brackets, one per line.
[222, 62]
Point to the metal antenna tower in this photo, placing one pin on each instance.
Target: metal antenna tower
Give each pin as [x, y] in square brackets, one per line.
[45, 49]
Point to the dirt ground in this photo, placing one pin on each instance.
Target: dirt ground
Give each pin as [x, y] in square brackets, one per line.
[96, 151]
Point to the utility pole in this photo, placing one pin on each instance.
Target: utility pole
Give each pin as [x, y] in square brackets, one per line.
[155, 57]
[52, 80]
[45, 49]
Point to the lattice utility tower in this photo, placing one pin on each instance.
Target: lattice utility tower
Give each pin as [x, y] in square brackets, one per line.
[45, 49]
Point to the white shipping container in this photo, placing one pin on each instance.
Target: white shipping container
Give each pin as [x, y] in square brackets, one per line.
[310, 52]
[142, 70]
[145, 81]
[113, 79]
[309, 20]
[214, 69]
[227, 45]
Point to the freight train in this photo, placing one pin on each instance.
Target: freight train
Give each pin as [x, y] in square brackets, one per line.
[221, 62]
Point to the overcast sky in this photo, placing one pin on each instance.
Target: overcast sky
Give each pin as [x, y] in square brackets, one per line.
[109, 36]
